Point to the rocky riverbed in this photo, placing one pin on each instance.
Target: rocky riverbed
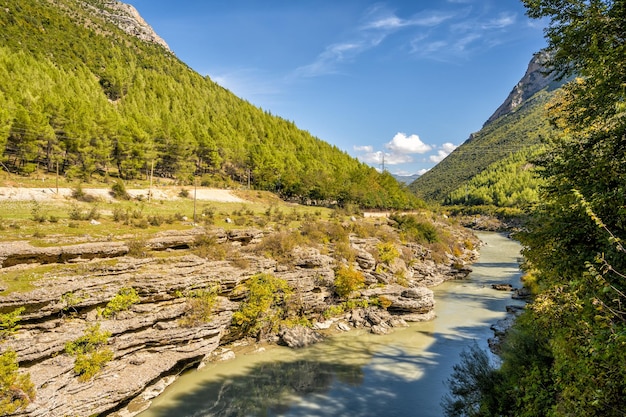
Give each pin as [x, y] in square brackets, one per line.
[148, 341]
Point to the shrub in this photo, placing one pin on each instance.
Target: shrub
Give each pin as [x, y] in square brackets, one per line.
[333, 311]
[71, 300]
[118, 190]
[90, 351]
[278, 245]
[343, 250]
[8, 323]
[387, 252]
[384, 302]
[208, 247]
[183, 193]
[137, 248]
[37, 212]
[348, 280]
[120, 215]
[416, 230]
[125, 298]
[264, 307]
[79, 194]
[200, 304]
[16, 389]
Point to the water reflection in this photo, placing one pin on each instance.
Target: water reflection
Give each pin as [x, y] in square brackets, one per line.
[357, 374]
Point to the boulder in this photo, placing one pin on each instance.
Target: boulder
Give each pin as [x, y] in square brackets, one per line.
[300, 336]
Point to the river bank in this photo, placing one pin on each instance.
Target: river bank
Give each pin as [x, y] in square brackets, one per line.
[356, 373]
[67, 290]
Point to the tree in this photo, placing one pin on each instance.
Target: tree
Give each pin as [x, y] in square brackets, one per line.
[574, 241]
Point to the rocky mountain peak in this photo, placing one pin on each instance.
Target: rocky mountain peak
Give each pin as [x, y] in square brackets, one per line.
[127, 18]
[536, 78]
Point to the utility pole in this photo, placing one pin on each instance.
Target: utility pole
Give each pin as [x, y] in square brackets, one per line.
[151, 175]
[195, 189]
[383, 170]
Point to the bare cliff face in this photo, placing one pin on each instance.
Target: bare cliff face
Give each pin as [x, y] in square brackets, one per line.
[536, 78]
[127, 18]
[150, 341]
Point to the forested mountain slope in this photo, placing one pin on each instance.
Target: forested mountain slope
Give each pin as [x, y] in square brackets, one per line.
[509, 136]
[80, 93]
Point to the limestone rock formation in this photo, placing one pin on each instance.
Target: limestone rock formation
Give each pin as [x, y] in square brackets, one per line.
[153, 339]
[127, 18]
[536, 78]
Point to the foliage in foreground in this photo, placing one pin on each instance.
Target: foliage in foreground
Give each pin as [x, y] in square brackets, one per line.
[567, 352]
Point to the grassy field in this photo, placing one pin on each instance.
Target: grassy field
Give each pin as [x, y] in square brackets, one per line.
[59, 220]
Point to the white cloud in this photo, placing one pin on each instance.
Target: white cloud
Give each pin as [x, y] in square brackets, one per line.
[397, 158]
[448, 147]
[403, 144]
[439, 157]
[378, 158]
[423, 171]
[444, 150]
[379, 24]
[500, 22]
[365, 148]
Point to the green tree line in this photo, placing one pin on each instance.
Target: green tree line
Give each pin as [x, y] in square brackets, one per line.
[510, 182]
[513, 133]
[81, 95]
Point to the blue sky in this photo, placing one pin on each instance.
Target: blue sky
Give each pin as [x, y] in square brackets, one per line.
[407, 79]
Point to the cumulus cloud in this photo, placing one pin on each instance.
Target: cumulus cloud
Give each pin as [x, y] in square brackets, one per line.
[448, 147]
[367, 154]
[403, 144]
[439, 157]
[444, 151]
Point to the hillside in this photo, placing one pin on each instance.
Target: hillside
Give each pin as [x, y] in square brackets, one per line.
[513, 132]
[89, 89]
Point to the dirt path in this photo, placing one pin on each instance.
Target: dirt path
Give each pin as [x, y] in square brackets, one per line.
[47, 194]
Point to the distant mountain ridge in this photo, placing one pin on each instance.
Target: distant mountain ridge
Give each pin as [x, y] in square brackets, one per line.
[517, 125]
[406, 179]
[536, 78]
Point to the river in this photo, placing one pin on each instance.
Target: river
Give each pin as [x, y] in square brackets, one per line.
[356, 373]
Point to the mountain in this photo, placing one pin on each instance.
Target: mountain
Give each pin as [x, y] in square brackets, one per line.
[406, 179]
[512, 134]
[89, 88]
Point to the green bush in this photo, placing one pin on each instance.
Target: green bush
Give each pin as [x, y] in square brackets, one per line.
[265, 306]
[387, 252]
[118, 190]
[279, 245]
[208, 247]
[8, 323]
[79, 194]
[200, 304]
[415, 230]
[16, 389]
[348, 280]
[91, 352]
[137, 248]
[125, 298]
[37, 212]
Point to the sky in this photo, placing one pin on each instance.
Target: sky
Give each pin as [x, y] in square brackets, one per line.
[399, 82]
